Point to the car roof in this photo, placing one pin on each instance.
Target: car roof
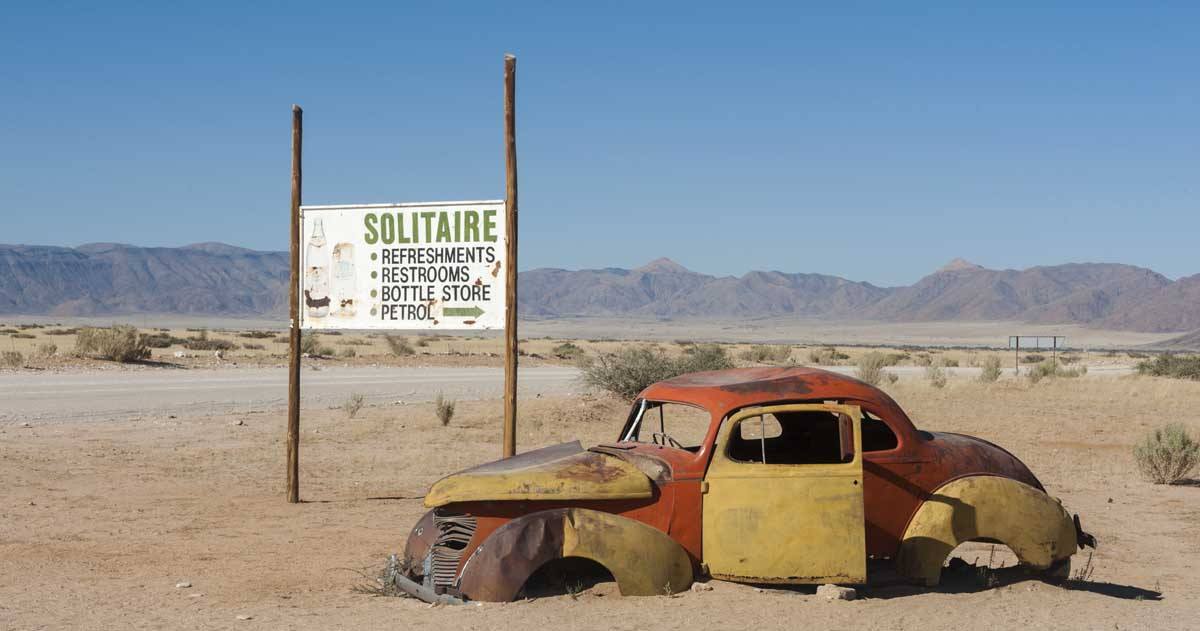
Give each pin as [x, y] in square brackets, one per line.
[725, 390]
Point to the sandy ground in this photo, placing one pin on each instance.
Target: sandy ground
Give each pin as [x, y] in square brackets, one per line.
[99, 522]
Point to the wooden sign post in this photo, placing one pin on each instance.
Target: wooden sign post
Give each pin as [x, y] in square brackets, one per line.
[293, 431]
[348, 274]
[510, 287]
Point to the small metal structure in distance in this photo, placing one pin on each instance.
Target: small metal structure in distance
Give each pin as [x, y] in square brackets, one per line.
[1035, 342]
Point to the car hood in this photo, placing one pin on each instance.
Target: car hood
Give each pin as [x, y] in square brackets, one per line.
[559, 472]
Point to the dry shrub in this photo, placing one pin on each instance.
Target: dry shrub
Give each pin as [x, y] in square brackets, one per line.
[202, 342]
[935, 375]
[827, 356]
[766, 354]
[12, 359]
[46, 350]
[1167, 455]
[991, 369]
[120, 343]
[1175, 366]
[869, 368]
[310, 344]
[1052, 369]
[1033, 358]
[443, 409]
[353, 404]
[628, 371]
[399, 346]
[349, 353]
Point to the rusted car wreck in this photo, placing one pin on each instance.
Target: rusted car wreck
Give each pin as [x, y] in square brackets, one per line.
[762, 475]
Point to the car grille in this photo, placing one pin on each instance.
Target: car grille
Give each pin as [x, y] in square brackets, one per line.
[454, 532]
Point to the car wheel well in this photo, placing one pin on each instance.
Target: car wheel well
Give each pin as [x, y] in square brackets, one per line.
[565, 575]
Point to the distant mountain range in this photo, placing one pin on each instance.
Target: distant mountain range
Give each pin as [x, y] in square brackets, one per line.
[219, 279]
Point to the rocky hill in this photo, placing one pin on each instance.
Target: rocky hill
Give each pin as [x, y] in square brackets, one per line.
[111, 278]
[219, 279]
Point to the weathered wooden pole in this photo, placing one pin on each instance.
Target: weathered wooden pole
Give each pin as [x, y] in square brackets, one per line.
[510, 276]
[293, 430]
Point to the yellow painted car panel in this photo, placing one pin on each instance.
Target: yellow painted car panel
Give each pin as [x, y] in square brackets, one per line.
[786, 523]
[986, 508]
[577, 475]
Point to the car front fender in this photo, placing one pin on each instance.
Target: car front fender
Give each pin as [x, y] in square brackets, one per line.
[643, 560]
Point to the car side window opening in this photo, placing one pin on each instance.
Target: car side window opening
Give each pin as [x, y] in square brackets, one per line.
[876, 435]
[808, 437]
[668, 424]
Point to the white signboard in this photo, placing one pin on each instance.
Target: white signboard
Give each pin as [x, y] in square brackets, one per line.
[403, 266]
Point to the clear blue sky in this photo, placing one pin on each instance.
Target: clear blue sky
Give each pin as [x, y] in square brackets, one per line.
[872, 141]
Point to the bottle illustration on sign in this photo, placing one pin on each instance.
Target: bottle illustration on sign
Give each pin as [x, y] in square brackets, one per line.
[316, 274]
[343, 280]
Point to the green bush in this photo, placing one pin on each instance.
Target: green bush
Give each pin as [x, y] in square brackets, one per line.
[209, 345]
[1167, 455]
[162, 340]
[120, 343]
[869, 368]
[1176, 366]
[567, 350]
[629, 370]
[991, 369]
[257, 335]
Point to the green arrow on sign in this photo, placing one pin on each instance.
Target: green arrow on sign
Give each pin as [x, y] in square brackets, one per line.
[465, 312]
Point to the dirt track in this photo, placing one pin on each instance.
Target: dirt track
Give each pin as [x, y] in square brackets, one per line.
[100, 521]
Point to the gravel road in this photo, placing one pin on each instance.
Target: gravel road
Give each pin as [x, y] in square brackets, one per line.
[98, 396]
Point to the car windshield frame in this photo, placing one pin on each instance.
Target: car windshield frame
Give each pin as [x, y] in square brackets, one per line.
[631, 431]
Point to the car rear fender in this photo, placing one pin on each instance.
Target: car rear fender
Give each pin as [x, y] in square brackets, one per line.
[643, 560]
[1031, 523]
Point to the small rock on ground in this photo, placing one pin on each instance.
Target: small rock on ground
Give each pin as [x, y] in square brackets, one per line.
[701, 587]
[183, 585]
[836, 592]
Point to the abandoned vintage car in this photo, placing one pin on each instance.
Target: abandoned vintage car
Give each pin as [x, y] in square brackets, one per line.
[761, 475]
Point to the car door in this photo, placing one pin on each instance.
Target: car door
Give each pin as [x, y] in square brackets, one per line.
[783, 496]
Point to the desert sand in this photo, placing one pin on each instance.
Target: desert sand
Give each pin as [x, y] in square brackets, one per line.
[179, 520]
